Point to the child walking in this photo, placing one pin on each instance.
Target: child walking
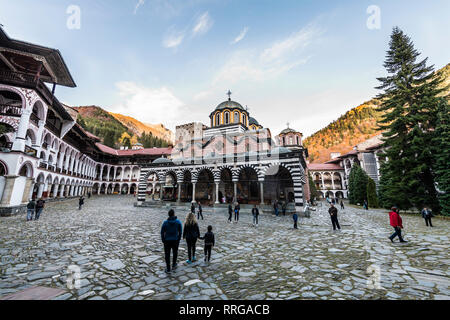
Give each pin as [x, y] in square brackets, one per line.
[209, 243]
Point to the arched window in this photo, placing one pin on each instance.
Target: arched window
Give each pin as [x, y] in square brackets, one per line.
[290, 141]
[284, 141]
[244, 119]
[218, 119]
[236, 117]
[298, 142]
[227, 117]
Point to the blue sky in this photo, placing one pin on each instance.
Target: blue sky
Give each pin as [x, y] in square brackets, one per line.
[172, 61]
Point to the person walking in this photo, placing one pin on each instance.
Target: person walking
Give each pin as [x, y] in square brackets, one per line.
[31, 207]
[89, 195]
[295, 217]
[342, 205]
[427, 214]
[365, 205]
[199, 211]
[39, 208]
[396, 222]
[334, 218]
[255, 213]
[209, 243]
[283, 207]
[275, 207]
[193, 207]
[191, 233]
[230, 212]
[80, 202]
[171, 232]
[237, 207]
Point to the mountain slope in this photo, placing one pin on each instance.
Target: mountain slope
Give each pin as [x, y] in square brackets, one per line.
[138, 127]
[356, 126]
[110, 127]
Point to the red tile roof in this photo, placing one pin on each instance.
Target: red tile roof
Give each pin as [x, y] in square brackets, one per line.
[324, 166]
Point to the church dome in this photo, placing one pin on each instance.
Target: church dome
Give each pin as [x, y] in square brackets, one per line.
[288, 130]
[229, 105]
[252, 120]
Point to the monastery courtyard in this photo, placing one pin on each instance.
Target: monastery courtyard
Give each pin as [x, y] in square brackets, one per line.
[119, 252]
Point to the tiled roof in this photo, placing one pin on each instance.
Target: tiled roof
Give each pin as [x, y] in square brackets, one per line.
[324, 166]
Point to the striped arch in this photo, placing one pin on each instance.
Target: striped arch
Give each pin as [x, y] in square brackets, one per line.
[197, 171]
[170, 171]
[251, 166]
[234, 172]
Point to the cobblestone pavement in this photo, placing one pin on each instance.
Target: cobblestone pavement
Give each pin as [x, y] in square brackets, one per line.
[118, 250]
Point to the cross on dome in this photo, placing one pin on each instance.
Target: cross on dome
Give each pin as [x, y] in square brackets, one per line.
[229, 95]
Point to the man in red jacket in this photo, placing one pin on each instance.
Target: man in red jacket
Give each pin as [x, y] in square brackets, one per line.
[396, 223]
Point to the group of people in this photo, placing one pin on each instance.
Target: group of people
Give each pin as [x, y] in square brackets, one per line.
[236, 210]
[171, 233]
[35, 208]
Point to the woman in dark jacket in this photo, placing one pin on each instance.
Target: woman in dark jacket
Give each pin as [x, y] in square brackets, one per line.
[191, 233]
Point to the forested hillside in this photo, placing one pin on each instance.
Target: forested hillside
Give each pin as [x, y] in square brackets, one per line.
[356, 126]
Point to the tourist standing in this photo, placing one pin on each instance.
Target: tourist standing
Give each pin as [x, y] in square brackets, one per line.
[334, 218]
[283, 207]
[31, 207]
[365, 205]
[199, 211]
[255, 213]
[342, 205]
[275, 207]
[396, 222]
[193, 207]
[237, 207]
[230, 212]
[171, 232]
[295, 217]
[209, 243]
[191, 233]
[427, 214]
[80, 202]
[39, 208]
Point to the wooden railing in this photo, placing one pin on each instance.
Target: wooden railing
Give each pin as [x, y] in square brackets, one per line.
[8, 110]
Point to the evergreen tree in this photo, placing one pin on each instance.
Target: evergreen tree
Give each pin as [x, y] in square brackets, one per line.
[357, 185]
[409, 103]
[372, 199]
[442, 156]
[313, 193]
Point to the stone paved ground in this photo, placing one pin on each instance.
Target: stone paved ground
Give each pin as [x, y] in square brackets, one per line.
[118, 250]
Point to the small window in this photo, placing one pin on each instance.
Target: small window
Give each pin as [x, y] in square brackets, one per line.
[227, 117]
[236, 117]
[218, 119]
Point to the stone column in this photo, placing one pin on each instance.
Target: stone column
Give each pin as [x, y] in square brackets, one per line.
[153, 190]
[38, 142]
[217, 192]
[19, 141]
[27, 190]
[160, 191]
[61, 191]
[40, 190]
[332, 180]
[261, 185]
[179, 193]
[235, 191]
[49, 189]
[8, 190]
[323, 183]
[193, 191]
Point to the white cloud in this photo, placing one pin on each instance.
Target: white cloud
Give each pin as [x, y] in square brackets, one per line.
[139, 4]
[203, 24]
[173, 38]
[278, 58]
[150, 105]
[240, 36]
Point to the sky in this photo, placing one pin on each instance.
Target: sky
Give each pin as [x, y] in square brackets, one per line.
[301, 62]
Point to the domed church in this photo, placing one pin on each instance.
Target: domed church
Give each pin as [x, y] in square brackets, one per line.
[233, 159]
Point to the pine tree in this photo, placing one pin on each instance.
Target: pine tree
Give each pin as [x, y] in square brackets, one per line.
[372, 199]
[313, 193]
[442, 155]
[357, 185]
[409, 103]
